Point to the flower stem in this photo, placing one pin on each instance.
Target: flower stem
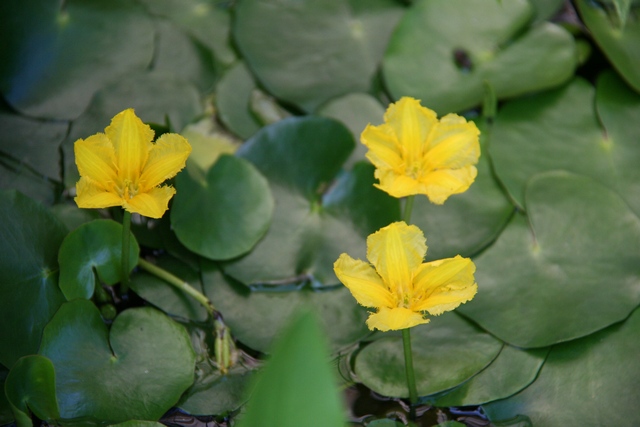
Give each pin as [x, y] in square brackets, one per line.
[408, 207]
[126, 238]
[177, 283]
[411, 378]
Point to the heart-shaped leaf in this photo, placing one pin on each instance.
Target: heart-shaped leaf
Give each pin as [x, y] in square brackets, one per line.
[308, 52]
[446, 352]
[137, 370]
[30, 387]
[443, 51]
[318, 213]
[574, 257]
[297, 387]
[94, 246]
[55, 56]
[588, 382]
[29, 295]
[510, 372]
[226, 213]
[256, 317]
[619, 44]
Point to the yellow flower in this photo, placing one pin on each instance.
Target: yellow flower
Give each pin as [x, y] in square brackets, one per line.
[415, 153]
[399, 285]
[123, 167]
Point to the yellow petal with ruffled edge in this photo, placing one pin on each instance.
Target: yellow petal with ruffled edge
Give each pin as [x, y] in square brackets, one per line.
[91, 196]
[396, 251]
[167, 157]
[455, 144]
[393, 319]
[397, 185]
[363, 282]
[443, 285]
[384, 149]
[131, 139]
[152, 204]
[413, 124]
[96, 160]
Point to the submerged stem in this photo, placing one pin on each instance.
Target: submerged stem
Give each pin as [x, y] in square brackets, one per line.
[411, 378]
[177, 283]
[126, 238]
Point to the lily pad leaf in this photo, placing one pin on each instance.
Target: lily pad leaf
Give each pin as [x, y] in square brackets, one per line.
[29, 294]
[446, 352]
[224, 215]
[145, 353]
[30, 388]
[306, 53]
[581, 244]
[620, 45]
[513, 370]
[443, 51]
[319, 212]
[256, 317]
[56, 55]
[296, 387]
[605, 361]
[93, 247]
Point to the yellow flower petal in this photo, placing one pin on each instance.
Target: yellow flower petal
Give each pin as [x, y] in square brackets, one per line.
[443, 285]
[166, 158]
[384, 150]
[393, 319]
[96, 159]
[396, 251]
[152, 204]
[91, 196]
[439, 185]
[454, 144]
[398, 185]
[132, 141]
[412, 124]
[363, 282]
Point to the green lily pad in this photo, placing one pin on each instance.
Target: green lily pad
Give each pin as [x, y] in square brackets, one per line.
[589, 382]
[233, 98]
[553, 130]
[296, 387]
[72, 216]
[34, 143]
[443, 51]
[21, 177]
[308, 52]
[546, 9]
[30, 388]
[56, 56]
[574, 257]
[6, 413]
[94, 246]
[255, 318]
[355, 111]
[620, 44]
[446, 352]
[217, 394]
[179, 104]
[510, 372]
[223, 215]
[178, 54]
[29, 295]
[319, 213]
[206, 21]
[468, 222]
[145, 353]
[138, 423]
[166, 297]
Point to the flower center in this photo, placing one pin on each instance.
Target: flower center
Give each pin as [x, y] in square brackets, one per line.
[128, 189]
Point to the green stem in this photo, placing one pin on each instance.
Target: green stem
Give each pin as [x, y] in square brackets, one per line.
[126, 237]
[408, 366]
[177, 283]
[408, 207]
